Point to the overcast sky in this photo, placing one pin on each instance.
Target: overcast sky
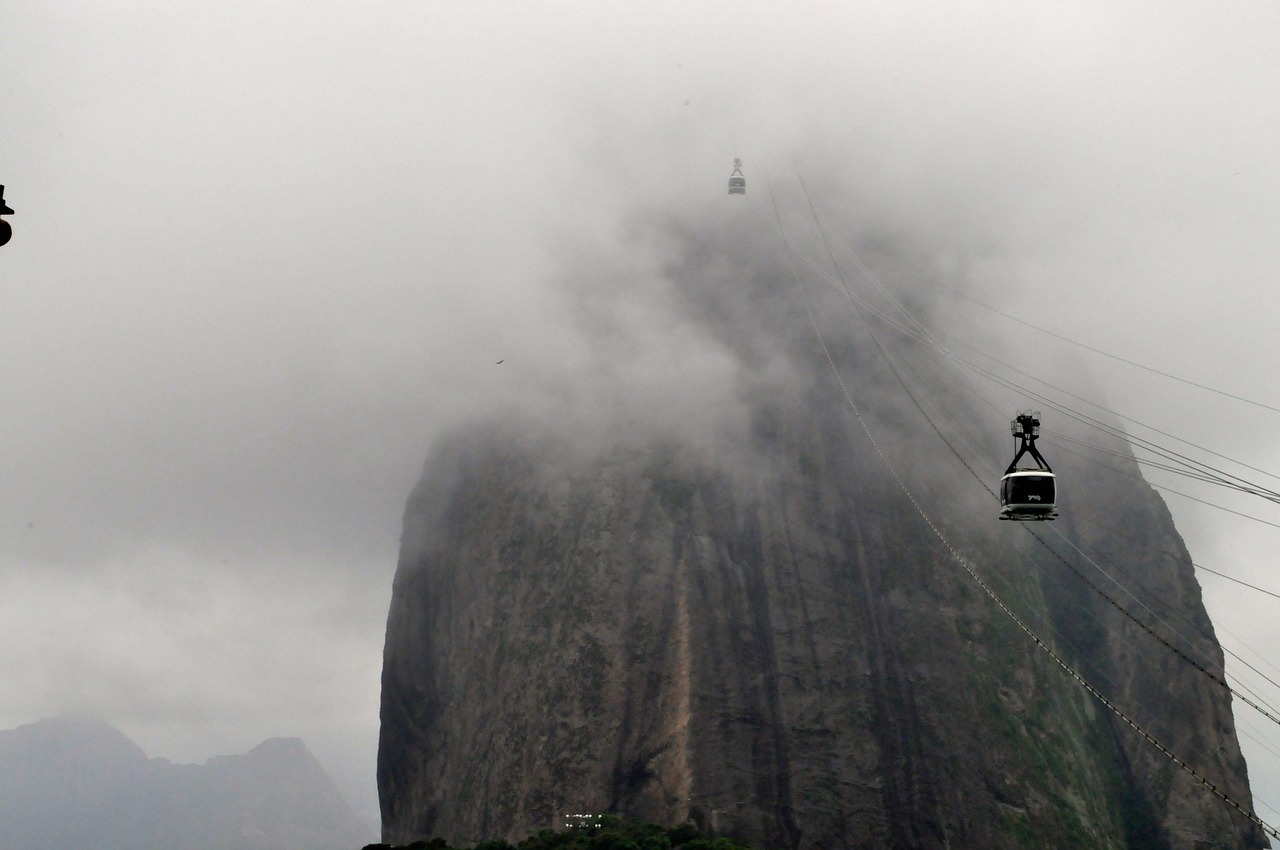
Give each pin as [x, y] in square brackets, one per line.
[264, 252]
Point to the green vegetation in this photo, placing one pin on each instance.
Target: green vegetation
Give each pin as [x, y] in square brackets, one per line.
[603, 832]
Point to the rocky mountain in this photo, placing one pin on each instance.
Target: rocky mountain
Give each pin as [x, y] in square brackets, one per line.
[751, 624]
[72, 783]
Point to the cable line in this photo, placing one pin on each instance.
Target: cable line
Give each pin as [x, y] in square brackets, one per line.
[1171, 608]
[1263, 493]
[1219, 680]
[924, 337]
[1164, 488]
[1177, 557]
[1075, 414]
[844, 287]
[1115, 709]
[1111, 429]
[1213, 676]
[871, 275]
[1199, 469]
[855, 302]
[1116, 357]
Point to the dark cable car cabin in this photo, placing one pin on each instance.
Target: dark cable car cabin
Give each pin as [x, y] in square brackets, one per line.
[1028, 493]
[6, 232]
[737, 183]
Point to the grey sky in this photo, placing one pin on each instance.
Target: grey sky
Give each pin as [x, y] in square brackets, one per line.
[264, 252]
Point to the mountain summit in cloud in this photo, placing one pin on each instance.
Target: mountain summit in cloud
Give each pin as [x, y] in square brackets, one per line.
[792, 619]
[72, 783]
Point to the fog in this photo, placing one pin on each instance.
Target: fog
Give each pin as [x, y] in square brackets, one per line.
[265, 254]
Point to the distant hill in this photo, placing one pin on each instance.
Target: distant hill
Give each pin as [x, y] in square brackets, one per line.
[75, 783]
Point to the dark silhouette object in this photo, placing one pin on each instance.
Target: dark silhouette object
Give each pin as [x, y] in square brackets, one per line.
[1028, 493]
[5, 230]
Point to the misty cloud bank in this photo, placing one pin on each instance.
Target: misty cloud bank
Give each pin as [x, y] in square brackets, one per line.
[265, 257]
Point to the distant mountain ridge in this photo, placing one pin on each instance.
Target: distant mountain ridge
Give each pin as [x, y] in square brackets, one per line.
[70, 783]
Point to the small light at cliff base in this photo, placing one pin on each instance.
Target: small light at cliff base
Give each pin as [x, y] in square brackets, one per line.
[737, 182]
[582, 821]
[1028, 493]
[5, 230]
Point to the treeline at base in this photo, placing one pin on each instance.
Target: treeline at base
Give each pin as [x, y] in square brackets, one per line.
[600, 832]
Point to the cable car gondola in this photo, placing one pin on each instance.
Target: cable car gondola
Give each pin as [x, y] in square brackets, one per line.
[5, 230]
[1028, 493]
[737, 182]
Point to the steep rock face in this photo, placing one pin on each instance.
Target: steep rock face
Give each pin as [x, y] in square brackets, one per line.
[766, 636]
[807, 666]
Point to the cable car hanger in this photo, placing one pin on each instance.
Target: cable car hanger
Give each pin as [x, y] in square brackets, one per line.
[737, 182]
[1030, 493]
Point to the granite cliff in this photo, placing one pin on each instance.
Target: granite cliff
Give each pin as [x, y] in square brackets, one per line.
[752, 627]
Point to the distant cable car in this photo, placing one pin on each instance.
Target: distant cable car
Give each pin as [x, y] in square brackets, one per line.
[5, 230]
[1028, 493]
[737, 183]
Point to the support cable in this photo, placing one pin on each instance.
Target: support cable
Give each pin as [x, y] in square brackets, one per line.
[1103, 594]
[1116, 357]
[927, 339]
[1210, 674]
[991, 594]
[957, 292]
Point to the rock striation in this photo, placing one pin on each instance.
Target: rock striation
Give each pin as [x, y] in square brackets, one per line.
[758, 631]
